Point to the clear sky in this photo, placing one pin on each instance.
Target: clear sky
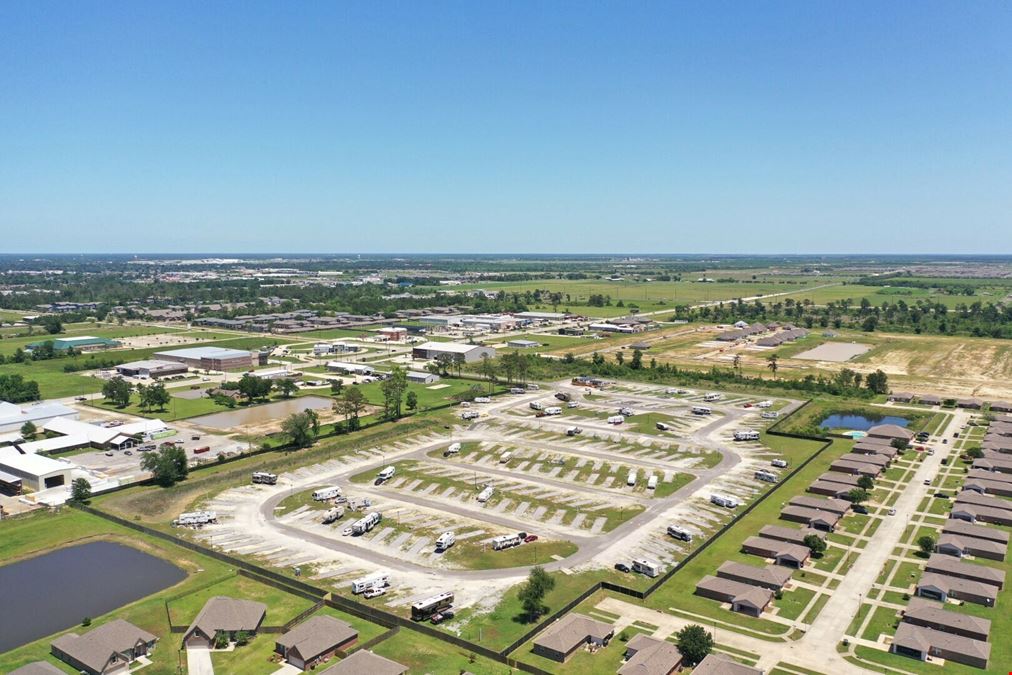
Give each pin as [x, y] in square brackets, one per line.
[546, 126]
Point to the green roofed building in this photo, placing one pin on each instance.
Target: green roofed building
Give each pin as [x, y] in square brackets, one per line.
[81, 343]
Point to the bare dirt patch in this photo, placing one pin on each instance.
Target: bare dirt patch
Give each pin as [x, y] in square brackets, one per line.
[837, 352]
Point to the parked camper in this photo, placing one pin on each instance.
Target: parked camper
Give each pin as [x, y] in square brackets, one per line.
[746, 435]
[265, 478]
[652, 482]
[726, 501]
[517, 390]
[562, 396]
[333, 514]
[770, 415]
[643, 566]
[196, 519]
[470, 415]
[385, 475]
[423, 609]
[445, 541]
[505, 457]
[625, 412]
[663, 426]
[713, 396]
[482, 399]
[506, 541]
[767, 476]
[630, 480]
[573, 431]
[486, 494]
[553, 410]
[764, 404]
[454, 449]
[679, 533]
[325, 493]
[779, 463]
[378, 580]
[616, 419]
[701, 410]
[366, 523]
[537, 405]
[532, 387]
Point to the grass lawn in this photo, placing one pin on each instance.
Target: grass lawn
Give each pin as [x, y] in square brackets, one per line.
[422, 654]
[429, 395]
[793, 603]
[42, 532]
[281, 606]
[473, 556]
[816, 608]
[882, 621]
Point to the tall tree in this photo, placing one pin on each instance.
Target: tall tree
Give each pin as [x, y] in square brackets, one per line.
[411, 400]
[117, 390]
[351, 405]
[167, 465]
[393, 388]
[28, 430]
[532, 593]
[80, 491]
[694, 642]
[287, 387]
[772, 362]
[487, 369]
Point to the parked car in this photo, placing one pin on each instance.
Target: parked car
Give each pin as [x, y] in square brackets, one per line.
[927, 481]
[374, 592]
[128, 452]
[440, 617]
[622, 567]
[529, 538]
[108, 453]
[892, 512]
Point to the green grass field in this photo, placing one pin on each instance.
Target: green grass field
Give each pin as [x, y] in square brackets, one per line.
[43, 531]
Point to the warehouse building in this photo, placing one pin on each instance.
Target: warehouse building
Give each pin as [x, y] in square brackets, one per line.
[82, 343]
[13, 416]
[35, 472]
[151, 368]
[209, 358]
[455, 350]
[421, 378]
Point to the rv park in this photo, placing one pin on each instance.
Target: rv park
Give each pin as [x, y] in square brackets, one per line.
[804, 531]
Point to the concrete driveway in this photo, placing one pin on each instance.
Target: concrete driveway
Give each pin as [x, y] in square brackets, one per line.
[198, 661]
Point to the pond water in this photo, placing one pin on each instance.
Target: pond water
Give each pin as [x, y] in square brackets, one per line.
[259, 414]
[54, 591]
[861, 422]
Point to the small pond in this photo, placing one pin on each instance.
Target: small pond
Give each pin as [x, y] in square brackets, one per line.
[861, 422]
[54, 591]
[260, 414]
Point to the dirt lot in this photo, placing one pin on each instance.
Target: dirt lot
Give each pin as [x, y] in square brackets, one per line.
[837, 352]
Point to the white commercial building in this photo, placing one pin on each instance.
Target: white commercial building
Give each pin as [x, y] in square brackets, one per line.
[35, 471]
[422, 378]
[13, 416]
[456, 350]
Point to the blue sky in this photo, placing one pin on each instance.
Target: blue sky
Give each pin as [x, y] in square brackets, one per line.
[740, 127]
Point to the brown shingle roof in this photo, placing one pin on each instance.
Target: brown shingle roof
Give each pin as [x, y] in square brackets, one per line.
[718, 664]
[362, 662]
[228, 614]
[317, 635]
[652, 657]
[923, 639]
[571, 631]
[96, 647]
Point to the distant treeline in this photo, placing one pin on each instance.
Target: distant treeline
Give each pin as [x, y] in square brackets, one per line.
[975, 319]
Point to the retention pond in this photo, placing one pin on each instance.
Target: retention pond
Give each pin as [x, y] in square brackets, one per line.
[55, 591]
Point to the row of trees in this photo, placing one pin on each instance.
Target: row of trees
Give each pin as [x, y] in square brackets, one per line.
[16, 389]
[921, 316]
